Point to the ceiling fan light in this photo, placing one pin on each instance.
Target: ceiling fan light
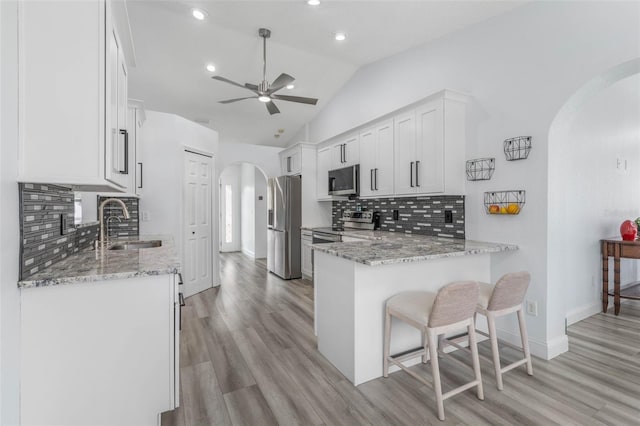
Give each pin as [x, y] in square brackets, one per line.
[340, 36]
[199, 14]
[264, 99]
[313, 2]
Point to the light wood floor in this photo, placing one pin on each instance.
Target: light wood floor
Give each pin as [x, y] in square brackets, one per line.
[248, 356]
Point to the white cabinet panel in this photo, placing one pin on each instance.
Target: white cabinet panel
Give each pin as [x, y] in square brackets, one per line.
[65, 53]
[430, 148]
[368, 162]
[405, 153]
[324, 165]
[291, 161]
[307, 264]
[78, 344]
[383, 172]
[346, 153]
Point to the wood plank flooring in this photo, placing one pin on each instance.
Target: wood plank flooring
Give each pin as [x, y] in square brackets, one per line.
[248, 357]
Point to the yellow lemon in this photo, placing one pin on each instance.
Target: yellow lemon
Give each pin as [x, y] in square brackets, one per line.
[513, 208]
[503, 210]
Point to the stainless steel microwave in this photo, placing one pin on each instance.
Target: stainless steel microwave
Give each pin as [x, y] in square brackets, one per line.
[344, 181]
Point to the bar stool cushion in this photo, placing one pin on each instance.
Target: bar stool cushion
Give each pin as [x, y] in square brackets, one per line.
[415, 305]
[486, 290]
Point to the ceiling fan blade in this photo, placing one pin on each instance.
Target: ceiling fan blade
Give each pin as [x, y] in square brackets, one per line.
[299, 99]
[226, 80]
[282, 80]
[272, 108]
[228, 101]
[250, 86]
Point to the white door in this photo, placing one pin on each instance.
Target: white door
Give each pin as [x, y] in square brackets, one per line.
[198, 256]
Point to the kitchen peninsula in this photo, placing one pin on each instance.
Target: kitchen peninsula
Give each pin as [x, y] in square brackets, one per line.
[354, 279]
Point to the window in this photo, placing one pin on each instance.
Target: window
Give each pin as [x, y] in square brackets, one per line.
[228, 214]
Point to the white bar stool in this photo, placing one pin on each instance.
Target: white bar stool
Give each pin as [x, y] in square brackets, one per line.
[505, 298]
[451, 309]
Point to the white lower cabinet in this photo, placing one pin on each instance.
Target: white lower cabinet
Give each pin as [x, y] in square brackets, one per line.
[100, 352]
[307, 253]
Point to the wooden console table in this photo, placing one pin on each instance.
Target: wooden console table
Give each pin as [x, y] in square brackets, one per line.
[618, 249]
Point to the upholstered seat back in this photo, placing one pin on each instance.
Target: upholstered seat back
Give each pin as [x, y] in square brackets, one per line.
[509, 291]
[454, 302]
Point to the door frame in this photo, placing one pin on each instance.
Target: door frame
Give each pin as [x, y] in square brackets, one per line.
[213, 233]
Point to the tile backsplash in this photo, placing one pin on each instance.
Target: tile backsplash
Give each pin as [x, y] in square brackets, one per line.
[417, 215]
[121, 227]
[43, 241]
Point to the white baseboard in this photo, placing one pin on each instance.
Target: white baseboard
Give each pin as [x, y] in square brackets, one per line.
[578, 314]
[545, 350]
[249, 253]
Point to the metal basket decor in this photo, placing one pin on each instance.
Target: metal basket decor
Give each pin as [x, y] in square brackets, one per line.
[504, 202]
[517, 148]
[480, 168]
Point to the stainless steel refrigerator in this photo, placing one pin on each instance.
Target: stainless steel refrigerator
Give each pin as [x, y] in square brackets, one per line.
[284, 198]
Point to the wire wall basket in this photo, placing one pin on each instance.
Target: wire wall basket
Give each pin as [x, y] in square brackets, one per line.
[480, 168]
[504, 202]
[517, 148]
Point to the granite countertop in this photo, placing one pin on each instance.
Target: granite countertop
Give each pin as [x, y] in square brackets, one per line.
[364, 234]
[91, 265]
[401, 248]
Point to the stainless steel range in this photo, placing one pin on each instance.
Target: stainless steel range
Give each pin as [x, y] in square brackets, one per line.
[362, 220]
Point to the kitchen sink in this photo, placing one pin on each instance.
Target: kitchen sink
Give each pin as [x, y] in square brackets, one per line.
[136, 245]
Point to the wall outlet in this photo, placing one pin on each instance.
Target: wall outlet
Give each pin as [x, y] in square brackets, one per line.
[396, 215]
[145, 216]
[448, 216]
[532, 308]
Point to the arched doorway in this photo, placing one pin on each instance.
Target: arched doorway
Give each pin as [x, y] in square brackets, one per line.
[243, 210]
[594, 179]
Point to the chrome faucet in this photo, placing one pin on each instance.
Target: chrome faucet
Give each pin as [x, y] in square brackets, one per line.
[125, 213]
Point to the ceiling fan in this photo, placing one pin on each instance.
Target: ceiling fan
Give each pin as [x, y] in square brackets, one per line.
[264, 91]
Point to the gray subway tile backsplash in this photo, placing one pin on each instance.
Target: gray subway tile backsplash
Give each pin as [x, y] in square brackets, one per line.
[42, 240]
[424, 215]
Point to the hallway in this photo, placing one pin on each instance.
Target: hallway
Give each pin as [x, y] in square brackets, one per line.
[248, 356]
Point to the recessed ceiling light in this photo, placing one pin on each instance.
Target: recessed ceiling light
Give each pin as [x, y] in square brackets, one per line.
[340, 36]
[264, 99]
[313, 2]
[211, 68]
[280, 130]
[199, 14]
[290, 86]
[276, 136]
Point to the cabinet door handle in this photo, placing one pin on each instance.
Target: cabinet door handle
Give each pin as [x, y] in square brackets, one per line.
[411, 174]
[344, 150]
[417, 173]
[375, 175]
[126, 152]
[288, 164]
[371, 180]
[140, 185]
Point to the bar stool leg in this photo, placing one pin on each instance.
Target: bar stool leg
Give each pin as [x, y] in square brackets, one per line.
[525, 341]
[435, 370]
[425, 358]
[387, 342]
[473, 344]
[493, 336]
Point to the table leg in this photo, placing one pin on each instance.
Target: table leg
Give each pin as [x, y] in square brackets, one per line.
[605, 277]
[616, 280]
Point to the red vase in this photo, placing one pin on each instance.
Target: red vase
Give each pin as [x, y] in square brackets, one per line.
[629, 230]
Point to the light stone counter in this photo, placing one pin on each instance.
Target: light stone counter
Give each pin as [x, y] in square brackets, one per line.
[386, 248]
[91, 265]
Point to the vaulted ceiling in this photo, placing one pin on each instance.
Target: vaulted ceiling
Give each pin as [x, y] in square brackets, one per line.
[172, 49]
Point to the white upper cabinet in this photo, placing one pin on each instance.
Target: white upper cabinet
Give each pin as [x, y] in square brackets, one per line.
[135, 120]
[67, 54]
[376, 160]
[430, 148]
[291, 161]
[324, 162]
[346, 153]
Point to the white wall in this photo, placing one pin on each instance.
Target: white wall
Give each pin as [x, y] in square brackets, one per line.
[520, 68]
[264, 157]
[231, 175]
[248, 209]
[260, 215]
[589, 197]
[164, 138]
[9, 229]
